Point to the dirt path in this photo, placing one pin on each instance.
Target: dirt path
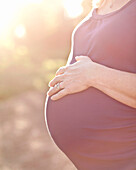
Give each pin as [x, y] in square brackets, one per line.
[24, 141]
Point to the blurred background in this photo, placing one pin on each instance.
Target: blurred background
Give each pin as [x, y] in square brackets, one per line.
[35, 40]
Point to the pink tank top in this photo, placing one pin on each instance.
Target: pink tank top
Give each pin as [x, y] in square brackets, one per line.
[95, 131]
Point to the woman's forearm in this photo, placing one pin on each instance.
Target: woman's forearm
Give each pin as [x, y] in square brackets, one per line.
[120, 85]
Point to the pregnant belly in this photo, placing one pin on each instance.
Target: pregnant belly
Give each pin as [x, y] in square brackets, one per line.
[91, 122]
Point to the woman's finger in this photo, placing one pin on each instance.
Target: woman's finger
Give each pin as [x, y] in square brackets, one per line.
[81, 58]
[56, 80]
[60, 94]
[61, 70]
[54, 89]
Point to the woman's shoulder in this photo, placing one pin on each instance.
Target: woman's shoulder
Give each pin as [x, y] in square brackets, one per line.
[82, 23]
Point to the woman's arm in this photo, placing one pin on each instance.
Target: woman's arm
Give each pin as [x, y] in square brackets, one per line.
[120, 85]
[85, 73]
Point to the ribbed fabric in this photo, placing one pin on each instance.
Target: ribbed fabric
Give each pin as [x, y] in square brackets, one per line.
[95, 131]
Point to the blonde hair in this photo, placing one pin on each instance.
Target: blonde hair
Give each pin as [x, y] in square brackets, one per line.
[97, 3]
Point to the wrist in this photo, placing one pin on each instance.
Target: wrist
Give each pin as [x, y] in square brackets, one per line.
[96, 71]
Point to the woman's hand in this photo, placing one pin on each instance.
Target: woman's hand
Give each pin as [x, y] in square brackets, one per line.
[73, 78]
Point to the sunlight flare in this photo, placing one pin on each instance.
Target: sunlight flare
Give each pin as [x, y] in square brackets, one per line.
[20, 31]
[73, 8]
[34, 1]
[9, 10]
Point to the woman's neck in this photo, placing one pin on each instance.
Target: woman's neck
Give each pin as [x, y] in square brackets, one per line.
[107, 6]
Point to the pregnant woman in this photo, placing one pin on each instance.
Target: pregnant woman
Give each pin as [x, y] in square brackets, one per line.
[90, 108]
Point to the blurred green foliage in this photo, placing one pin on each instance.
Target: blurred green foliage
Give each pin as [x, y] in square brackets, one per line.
[22, 73]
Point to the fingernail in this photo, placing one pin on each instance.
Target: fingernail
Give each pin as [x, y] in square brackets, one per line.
[52, 98]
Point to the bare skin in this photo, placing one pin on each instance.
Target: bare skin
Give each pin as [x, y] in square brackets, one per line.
[107, 6]
[85, 73]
